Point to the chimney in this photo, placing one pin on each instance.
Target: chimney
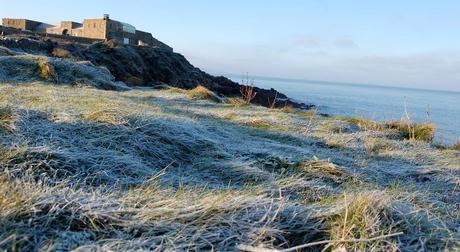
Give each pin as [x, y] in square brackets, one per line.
[106, 17]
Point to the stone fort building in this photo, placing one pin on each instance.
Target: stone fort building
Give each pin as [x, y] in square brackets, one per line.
[98, 28]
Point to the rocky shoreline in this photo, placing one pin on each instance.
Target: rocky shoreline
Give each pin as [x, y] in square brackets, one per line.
[143, 66]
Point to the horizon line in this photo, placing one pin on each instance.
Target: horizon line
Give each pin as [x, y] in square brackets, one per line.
[339, 83]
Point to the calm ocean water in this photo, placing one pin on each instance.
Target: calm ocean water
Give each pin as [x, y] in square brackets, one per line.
[375, 102]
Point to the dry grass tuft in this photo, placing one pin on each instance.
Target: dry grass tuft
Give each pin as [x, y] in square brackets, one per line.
[258, 123]
[236, 101]
[7, 119]
[307, 113]
[46, 70]
[365, 124]
[202, 93]
[7, 154]
[322, 169]
[13, 200]
[107, 117]
[375, 145]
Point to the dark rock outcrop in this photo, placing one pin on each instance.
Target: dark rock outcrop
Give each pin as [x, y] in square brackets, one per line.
[146, 66]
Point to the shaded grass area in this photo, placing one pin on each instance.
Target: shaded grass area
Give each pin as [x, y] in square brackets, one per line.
[168, 170]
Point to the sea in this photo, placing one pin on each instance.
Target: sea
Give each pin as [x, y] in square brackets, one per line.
[374, 102]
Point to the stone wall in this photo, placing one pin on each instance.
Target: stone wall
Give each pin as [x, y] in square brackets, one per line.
[67, 28]
[90, 31]
[7, 31]
[21, 24]
[95, 28]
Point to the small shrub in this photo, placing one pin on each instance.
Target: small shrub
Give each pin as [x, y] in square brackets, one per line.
[247, 93]
[247, 90]
[202, 93]
[413, 131]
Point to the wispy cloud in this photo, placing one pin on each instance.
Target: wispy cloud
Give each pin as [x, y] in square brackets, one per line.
[345, 43]
[307, 41]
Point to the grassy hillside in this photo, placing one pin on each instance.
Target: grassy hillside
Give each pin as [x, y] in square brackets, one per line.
[169, 169]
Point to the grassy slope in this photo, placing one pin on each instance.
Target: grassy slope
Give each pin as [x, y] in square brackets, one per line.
[162, 169]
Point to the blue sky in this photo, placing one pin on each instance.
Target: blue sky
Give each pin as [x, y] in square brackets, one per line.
[399, 43]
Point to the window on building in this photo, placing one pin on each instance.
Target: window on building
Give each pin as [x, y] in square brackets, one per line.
[126, 41]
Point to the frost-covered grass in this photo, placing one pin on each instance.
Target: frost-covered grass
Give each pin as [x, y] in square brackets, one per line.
[166, 169]
[29, 68]
[7, 118]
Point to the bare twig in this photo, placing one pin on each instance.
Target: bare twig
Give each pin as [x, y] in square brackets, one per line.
[409, 122]
[247, 90]
[272, 103]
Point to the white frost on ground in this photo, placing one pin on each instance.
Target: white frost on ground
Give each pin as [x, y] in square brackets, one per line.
[155, 169]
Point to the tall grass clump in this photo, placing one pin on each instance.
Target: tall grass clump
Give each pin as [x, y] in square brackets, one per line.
[364, 216]
[14, 200]
[413, 131]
